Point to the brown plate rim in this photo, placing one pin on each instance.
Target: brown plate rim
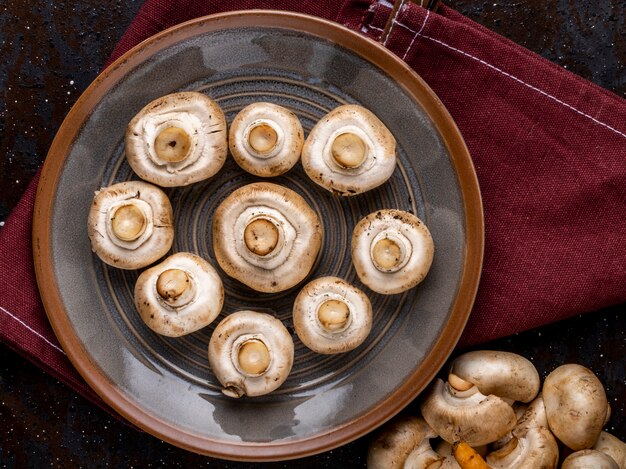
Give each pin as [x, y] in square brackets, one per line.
[367, 49]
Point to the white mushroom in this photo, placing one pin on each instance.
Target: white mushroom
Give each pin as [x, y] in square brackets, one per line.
[332, 316]
[424, 457]
[395, 441]
[612, 446]
[576, 405]
[250, 353]
[177, 139]
[180, 295]
[349, 151]
[266, 236]
[392, 251]
[505, 374]
[531, 444]
[466, 415]
[589, 459]
[266, 139]
[130, 224]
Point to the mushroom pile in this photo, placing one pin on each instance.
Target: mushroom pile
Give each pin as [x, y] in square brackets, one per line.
[264, 235]
[491, 404]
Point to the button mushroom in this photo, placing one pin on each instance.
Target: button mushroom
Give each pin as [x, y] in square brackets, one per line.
[466, 415]
[612, 446]
[505, 374]
[576, 405]
[349, 151]
[396, 440]
[589, 459]
[332, 316]
[180, 295]
[424, 457]
[250, 353]
[392, 251]
[531, 443]
[266, 139]
[266, 236]
[177, 139]
[130, 224]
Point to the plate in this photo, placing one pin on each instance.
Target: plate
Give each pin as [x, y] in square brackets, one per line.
[164, 385]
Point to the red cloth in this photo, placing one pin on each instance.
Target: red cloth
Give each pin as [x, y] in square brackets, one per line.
[549, 149]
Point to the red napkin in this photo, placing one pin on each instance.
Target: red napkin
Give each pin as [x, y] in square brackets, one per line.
[549, 149]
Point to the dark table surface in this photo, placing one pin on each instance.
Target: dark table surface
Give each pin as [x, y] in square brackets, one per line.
[51, 51]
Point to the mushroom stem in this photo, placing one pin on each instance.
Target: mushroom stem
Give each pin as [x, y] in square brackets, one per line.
[172, 144]
[458, 384]
[386, 254]
[262, 138]
[253, 357]
[261, 236]
[172, 283]
[349, 150]
[128, 222]
[333, 315]
[467, 457]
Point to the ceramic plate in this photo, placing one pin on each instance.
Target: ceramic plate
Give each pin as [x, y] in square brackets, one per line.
[165, 385]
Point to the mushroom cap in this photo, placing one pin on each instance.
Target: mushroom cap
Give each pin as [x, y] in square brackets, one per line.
[407, 234]
[151, 241]
[576, 405]
[197, 309]
[533, 416]
[612, 446]
[376, 141]
[504, 374]
[531, 443]
[279, 135]
[424, 457]
[589, 459]
[349, 333]
[198, 119]
[230, 336]
[394, 442]
[468, 415]
[297, 227]
[537, 448]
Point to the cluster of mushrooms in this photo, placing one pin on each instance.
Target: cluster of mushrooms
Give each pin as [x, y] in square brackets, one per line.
[264, 235]
[490, 414]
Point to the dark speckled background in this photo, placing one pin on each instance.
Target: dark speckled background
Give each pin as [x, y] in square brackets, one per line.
[51, 51]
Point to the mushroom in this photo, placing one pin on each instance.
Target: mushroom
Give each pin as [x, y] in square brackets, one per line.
[424, 457]
[332, 316]
[531, 443]
[266, 236]
[180, 295]
[612, 446]
[266, 139]
[396, 440]
[177, 139]
[250, 353]
[466, 415]
[576, 405]
[392, 251]
[130, 224]
[589, 459]
[349, 151]
[505, 374]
